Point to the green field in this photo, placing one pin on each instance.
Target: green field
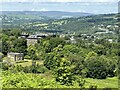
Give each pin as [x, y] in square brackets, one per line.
[105, 83]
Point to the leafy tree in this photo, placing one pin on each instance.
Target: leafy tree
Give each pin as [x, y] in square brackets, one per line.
[64, 72]
[5, 44]
[62, 64]
[71, 49]
[96, 66]
[78, 61]
[19, 45]
[52, 43]
[15, 32]
[32, 52]
[100, 49]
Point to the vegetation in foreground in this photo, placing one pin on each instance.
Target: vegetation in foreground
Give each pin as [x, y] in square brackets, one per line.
[30, 80]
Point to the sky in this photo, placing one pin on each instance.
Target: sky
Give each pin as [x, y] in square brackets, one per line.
[59, 0]
[88, 6]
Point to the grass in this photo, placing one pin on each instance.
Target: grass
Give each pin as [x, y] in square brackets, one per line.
[47, 75]
[102, 83]
[27, 62]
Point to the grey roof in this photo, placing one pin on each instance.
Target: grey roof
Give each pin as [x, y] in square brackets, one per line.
[12, 53]
[32, 37]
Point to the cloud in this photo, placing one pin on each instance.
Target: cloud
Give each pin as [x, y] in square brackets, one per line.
[32, 9]
[79, 11]
[59, 0]
[43, 9]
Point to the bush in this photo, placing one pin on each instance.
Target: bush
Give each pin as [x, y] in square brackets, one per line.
[92, 87]
[79, 80]
[35, 69]
[96, 66]
[23, 80]
[28, 69]
[41, 69]
[17, 68]
[27, 57]
[5, 66]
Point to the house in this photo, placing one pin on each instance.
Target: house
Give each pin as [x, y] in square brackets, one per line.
[24, 35]
[72, 39]
[110, 40]
[41, 35]
[62, 35]
[32, 40]
[15, 56]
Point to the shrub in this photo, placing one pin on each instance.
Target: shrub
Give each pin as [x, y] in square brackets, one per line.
[29, 80]
[5, 66]
[41, 69]
[96, 66]
[27, 57]
[35, 69]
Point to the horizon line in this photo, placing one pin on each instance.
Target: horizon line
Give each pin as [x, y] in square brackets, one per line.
[55, 11]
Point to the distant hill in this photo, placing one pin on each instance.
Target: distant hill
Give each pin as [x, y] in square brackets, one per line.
[87, 24]
[50, 14]
[48, 20]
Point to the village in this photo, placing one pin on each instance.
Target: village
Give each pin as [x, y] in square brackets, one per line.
[33, 38]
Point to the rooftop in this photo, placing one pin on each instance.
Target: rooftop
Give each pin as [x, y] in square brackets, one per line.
[33, 37]
[12, 53]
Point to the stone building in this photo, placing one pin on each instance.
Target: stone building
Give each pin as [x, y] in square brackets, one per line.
[32, 40]
[15, 56]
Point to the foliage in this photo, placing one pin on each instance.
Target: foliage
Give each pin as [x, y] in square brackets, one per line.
[98, 67]
[64, 72]
[31, 51]
[22, 80]
[60, 62]
[19, 45]
[5, 66]
[5, 44]
[48, 45]
[11, 42]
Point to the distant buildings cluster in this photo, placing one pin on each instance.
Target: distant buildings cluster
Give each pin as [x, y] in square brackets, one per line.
[33, 38]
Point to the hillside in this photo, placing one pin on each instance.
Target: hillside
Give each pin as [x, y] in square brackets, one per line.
[85, 24]
[37, 21]
[50, 14]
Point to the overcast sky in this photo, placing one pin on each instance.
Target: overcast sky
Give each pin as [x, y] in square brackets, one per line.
[59, 0]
